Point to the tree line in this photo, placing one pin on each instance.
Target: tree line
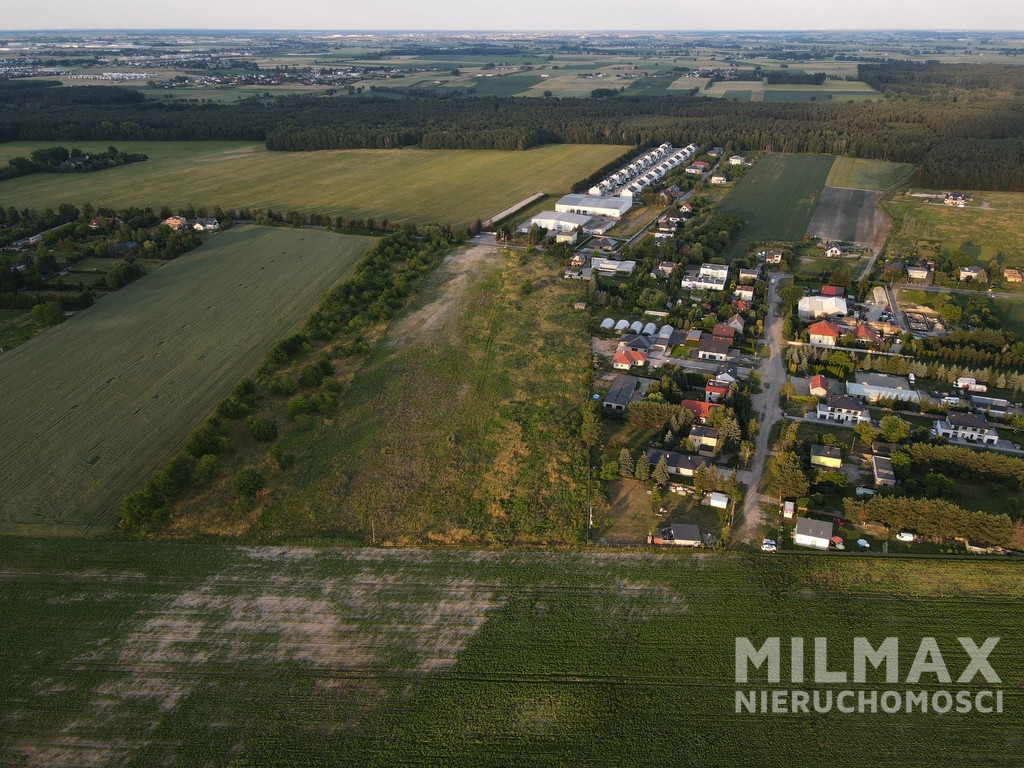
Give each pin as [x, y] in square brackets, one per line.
[64, 160]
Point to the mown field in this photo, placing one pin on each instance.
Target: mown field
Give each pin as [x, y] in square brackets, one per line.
[776, 198]
[421, 186]
[461, 424]
[992, 224]
[92, 405]
[142, 653]
[857, 173]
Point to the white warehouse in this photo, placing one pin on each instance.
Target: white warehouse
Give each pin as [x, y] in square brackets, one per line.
[593, 205]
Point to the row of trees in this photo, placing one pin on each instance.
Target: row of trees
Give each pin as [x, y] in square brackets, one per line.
[934, 518]
[64, 160]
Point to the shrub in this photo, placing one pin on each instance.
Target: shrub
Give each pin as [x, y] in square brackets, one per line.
[298, 406]
[206, 467]
[263, 430]
[247, 483]
[282, 385]
[285, 459]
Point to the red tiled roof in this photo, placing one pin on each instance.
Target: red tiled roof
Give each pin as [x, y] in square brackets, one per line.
[825, 328]
[864, 333]
[698, 408]
[628, 357]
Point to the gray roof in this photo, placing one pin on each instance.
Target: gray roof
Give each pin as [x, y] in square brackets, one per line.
[702, 431]
[627, 389]
[967, 420]
[826, 450]
[675, 459]
[883, 380]
[844, 402]
[883, 468]
[635, 341]
[711, 345]
[681, 532]
[805, 526]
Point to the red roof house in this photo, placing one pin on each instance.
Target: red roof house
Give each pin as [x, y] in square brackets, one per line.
[699, 409]
[819, 386]
[624, 359]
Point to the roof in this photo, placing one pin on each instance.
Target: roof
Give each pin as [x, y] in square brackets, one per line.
[699, 430]
[883, 448]
[827, 451]
[967, 420]
[844, 403]
[626, 389]
[715, 389]
[699, 408]
[864, 333]
[681, 532]
[628, 357]
[676, 460]
[882, 380]
[817, 529]
[819, 382]
[833, 290]
[737, 318]
[721, 329]
[714, 346]
[825, 328]
[634, 340]
[694, 334]
[622, 204]
[882, 467]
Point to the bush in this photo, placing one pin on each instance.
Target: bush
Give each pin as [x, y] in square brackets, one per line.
[206, 468]
[298, 406]
[263, 430]
[247, 483]
[282, 385]
[285, 459]
[232, 407]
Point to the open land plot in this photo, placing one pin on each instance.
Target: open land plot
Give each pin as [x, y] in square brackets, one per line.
[850, 215]
[776, 198]
[138, 653]
[461, 424]
[414, 185]
[92, 405]
[857, 173]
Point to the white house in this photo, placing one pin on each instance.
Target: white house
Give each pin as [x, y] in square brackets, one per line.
[719, 179]
[745, 292]
[593, 205]
[833, 253]
[612, 267]
[206, 225]
[967, 426]
[812, 533]
[680, 535]
[737, 160]
[843, 408]
[810, 307]
[710, 277]
[710, 349]
[973, 273]
[824, 333]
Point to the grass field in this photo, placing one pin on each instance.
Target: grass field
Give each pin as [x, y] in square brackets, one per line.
[856, 173]
[1010, 313]
[776, 198]
[460, 424]
[139, 653]
[92, 405]
[421, 186]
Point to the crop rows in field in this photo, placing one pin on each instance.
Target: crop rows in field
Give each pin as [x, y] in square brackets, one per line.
[92, 405]
[134, 653]
[421, 186]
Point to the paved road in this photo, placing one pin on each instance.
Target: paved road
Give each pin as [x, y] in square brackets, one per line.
[773, 376]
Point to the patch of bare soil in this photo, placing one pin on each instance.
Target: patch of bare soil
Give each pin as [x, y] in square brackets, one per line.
[452, 278]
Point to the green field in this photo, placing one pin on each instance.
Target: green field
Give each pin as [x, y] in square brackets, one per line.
[776, 198]
[94, 404]
[459, 425]
[415, 185]
[855, 173]
[1010, 313]
[139, 653]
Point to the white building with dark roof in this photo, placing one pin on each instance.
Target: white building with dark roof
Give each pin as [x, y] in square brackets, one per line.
[594, 205]
[967, 426]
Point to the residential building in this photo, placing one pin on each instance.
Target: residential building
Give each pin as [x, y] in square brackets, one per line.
[843, 408]
[977, 274]
[966, 426]
[881, 466]
[918, 271]
[1012, 275]
[699, 409]
[612, 267]
[718, 179]
[709, 349]
[636, 342]
[737, 322]
[665, 268]
[715, 391]
[810, 307]
[726, 372]
[833, 253]
[723, 332]
[705, 439]
[749, 275]
[737, 160]
[882, 448]
[680, 535]
[745, 292]
[773, 257]
[624, 359]
[716, 151]
[176, 222]
[878, 386]
[815, 534]
[625, 389]
[594, 205]
[679, 464]
[826, 456]
[819, 386]
[710, 277]
[955, 198]
[824, 333]
[206, 225]
[867, 335]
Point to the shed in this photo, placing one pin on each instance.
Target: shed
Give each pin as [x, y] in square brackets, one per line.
[607, 324]
[718, 500]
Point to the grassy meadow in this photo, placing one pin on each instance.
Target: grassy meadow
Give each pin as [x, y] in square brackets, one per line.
[143, 653]
[776, 198]
[93, 404]
[420, 186]
[857, 173]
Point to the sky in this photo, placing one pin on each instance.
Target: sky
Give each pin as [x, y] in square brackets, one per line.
[522, 15]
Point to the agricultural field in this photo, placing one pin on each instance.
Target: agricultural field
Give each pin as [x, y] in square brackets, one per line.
[461, 423]
[400, 185]
[758, 90]
[992, 224]
[138, 653]
[849, 215]
[857, 173]
[776, 198]
[92, 405]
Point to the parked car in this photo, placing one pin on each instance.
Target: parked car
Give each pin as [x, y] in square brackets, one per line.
[769, 545]
[909, 536]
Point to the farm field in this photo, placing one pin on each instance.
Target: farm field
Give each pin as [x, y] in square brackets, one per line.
[137, 653]
[857, 173]
[992, 224]
[849, 215]
[776, 198]
[420, 186]
[459, 425]
[92, 405]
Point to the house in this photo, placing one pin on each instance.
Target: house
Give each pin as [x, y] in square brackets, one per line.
[918, 271]
[727, 373]
[710, 277]
[819, 386]
[723, 332]
[973, 273]
[634, 342]
[694, 170]
[742, 305]
[815, 534]
[103, 221]
[955, 198]
[680, 535]
[715, 391]
[878, 386]
[773, 257]
[625, 389]
[206, 225]
[567, 237]
[843, 408]
[678, 464]
[624, 359]
[1012, 275]
[881, 466]
[665, 268]
[693, 337]
[833, 253]
[826, 456]
[893, 266]
[612, 267]
[176, 223]
[745, 292]
[749, 275]
[737, 160]
[685, 208]
[737, 322]
[709, 349]
[705, 439]
[699, 409]
[788, 509]
[824, 333]
[833, 290]
[716, 151]
[718, 500]
[867, 335]
[810, 307]
[718, 179]
[594, 205]
[966, 426]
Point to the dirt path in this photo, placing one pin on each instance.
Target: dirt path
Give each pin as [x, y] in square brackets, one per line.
[773, 376]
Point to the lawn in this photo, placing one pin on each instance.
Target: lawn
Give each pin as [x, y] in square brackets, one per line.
[1010, 313]
[857, 173]
[776, 198]
[92, 405]
[415, 185]
[143, 653]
